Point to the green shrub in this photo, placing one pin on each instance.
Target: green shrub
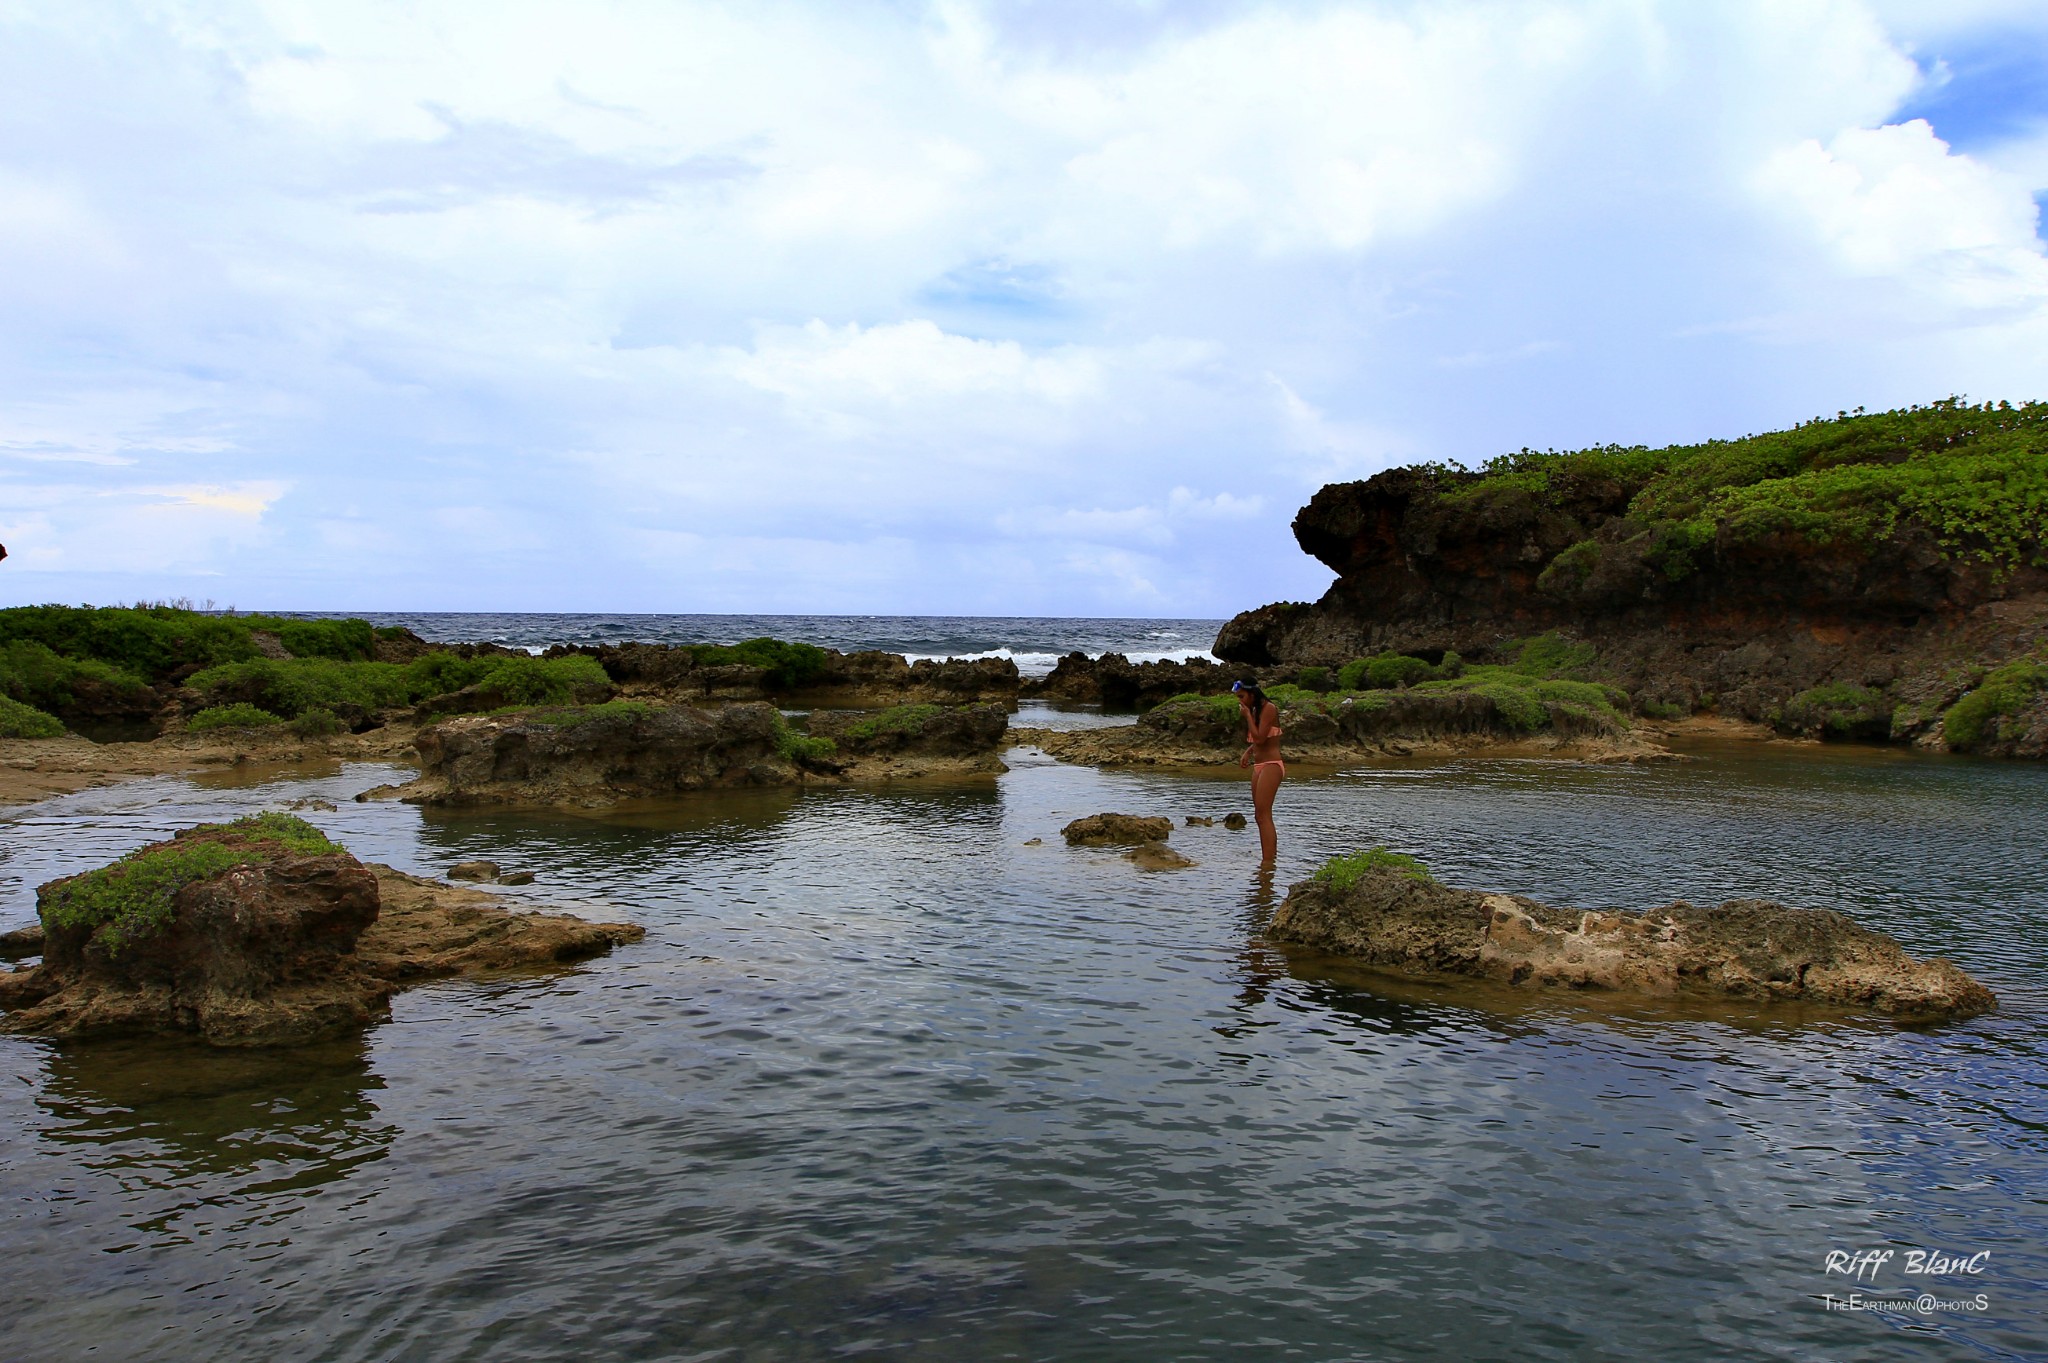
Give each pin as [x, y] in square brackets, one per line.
[137, 895]
[789, 665]
[318, 722]
[1976, 718]
[240, 715]
[37, 675]
[1341, 873]
[800, 748]
[1839, 709]
[1313, 678]
[1658, 709]
[25, 721]
[343, 640]
[545, 681]
[1547, 655]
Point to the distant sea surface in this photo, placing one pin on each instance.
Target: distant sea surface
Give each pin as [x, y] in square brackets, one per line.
[1033, 642]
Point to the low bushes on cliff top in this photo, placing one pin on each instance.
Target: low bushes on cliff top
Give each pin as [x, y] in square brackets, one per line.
[144, 642]
[1835, 710]
[136, 896]
[1341, 873]
[1975, 476]
[1978, 717]
[25, 721]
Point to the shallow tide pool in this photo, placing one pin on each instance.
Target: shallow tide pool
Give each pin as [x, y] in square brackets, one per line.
[885, 1080]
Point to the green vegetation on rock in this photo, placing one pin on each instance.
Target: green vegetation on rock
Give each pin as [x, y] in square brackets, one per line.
[136, 896]
[570, 716]
[1341, 873]
[240, 715]
[1978, 718]
[1838, 710]
[1976, 477]
[898, 719]
[796, 747]
[789, 665]
[25, 721]
[292, 686]
[35, 674]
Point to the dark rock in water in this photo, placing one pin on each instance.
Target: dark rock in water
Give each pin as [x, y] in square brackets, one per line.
[473, 870]
[1108, 830]
[1746, 948]
[935, 730]
[21, 942]
[1115, 681]
[284, 949]
[1233, 821]
[1157, 856]
[516, 878]
[1198, 821]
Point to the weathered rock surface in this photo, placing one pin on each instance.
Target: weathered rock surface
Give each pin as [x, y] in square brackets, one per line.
[1109, 830]
[1761, 623]
[865, 677]
[473, 870]
[1390, 723]
[1117, 683]
[1749, 948]
[875, 740]
[282, 953]
[598, 758]
[1157, 856]
[20, 942]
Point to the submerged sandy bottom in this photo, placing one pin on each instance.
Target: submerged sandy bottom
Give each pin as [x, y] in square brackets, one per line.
[885, 1080]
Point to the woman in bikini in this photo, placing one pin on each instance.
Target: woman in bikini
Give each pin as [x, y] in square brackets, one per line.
[1262, 755]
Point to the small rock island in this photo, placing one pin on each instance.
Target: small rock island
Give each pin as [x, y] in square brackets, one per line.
[260, 932]
[1384, 909]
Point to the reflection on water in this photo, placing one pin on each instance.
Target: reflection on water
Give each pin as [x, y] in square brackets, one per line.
[888, 1079]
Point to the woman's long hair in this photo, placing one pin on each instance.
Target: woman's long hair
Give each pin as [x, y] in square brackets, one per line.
[1259, 701]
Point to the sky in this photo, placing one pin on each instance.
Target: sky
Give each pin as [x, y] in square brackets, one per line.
[877, 306]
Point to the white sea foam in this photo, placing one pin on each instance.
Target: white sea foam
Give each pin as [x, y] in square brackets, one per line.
[1042, 664]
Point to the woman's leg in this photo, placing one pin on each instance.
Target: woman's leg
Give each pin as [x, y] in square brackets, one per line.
[1266, 784]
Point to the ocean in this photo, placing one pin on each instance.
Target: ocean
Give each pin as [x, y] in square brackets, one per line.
[1033, 642]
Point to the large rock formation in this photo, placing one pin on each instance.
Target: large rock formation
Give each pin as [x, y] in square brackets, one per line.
[1400, 920]
[633, 750]
[1114, 681]
[598, 756]
[1837, 618]
[228, 932]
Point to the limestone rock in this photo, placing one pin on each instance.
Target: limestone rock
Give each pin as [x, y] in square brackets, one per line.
[1199, 821]
[1108, 830]
[282, 952]
[516, 878]
[1157, 856]
[1744, 948]
[473, 870]
[1234, 822]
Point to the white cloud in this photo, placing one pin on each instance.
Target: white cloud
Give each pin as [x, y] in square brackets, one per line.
[946, 306]
[1894, 201]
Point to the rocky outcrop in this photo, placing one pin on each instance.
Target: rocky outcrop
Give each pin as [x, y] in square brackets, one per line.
[868, 677]
[1742, 625]
[1394, 723]
[1751, 949]
[635, 750]
[281, 951]
[599, 756]
[911, 740]
[1110, 830]
[1116, 683]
